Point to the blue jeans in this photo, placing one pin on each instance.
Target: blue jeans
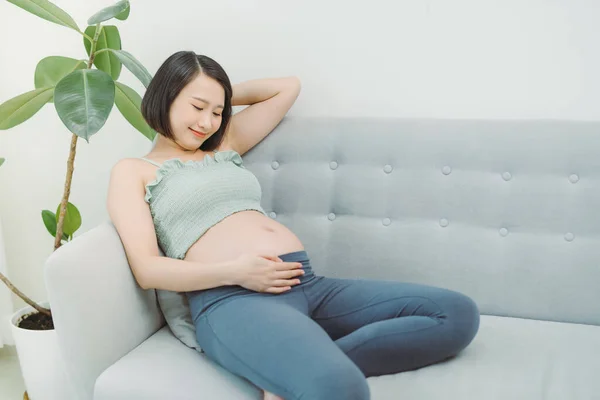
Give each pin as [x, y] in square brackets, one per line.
[322, 338]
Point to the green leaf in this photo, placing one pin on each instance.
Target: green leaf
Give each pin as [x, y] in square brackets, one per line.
[1, 161]
[134, 66]
[50, 70]
[48, 11]
[19, 109]
[72, 219]
[109, 38]
[50, 222]
[129, 104]
[116, 10]
[124, 15]
[83, 100]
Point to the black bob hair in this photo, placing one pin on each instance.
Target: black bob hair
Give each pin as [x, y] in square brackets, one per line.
[173, 75]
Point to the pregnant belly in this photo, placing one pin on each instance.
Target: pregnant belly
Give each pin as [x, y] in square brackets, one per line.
[243, 232]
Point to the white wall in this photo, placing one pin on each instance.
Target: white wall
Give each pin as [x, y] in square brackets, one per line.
[5, 300]
[436, 58]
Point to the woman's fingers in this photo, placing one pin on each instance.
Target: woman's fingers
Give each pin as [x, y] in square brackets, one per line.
[285, 282]
[290, 273]
[284, 271]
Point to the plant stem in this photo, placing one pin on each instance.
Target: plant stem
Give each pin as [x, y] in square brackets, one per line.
[66, 193]
[24, 297]
[93, 49]
[70, 162]
[87, 37]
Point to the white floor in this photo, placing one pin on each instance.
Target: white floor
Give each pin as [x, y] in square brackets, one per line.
[11, 381]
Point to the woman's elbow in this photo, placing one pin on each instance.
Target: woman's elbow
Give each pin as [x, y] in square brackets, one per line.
[141, 276]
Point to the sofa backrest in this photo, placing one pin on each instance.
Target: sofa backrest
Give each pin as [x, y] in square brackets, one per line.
[99, 311]
[503, 211]
[506, 212]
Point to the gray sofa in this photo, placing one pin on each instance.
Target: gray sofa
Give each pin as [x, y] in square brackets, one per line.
[503, 211]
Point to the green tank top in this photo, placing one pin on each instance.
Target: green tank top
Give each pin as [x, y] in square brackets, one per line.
[187, 198]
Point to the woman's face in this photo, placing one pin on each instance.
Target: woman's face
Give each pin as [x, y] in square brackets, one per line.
[196, 111]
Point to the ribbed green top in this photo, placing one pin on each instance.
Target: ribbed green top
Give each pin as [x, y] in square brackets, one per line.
[188, 198]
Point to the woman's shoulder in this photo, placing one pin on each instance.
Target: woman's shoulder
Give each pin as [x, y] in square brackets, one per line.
[125, 165]
[131, 168]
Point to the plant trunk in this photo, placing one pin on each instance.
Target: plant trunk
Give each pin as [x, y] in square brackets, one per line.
[25, 298]
[59, 229]
[67, 192]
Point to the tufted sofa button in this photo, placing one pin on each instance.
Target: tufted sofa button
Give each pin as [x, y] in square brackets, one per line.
[444, 222]
[506, 176]
[272, 214]
[574, 178]
[333, 165]
[388, 168]
[331, 216]
[569, 237]
[503, 231]
[274, 165]
[447, 170]
[387, 221]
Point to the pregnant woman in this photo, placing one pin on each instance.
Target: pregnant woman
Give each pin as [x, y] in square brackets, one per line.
[259, 308]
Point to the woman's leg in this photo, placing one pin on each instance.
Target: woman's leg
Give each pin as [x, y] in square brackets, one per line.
[270, 340]
[388, 327]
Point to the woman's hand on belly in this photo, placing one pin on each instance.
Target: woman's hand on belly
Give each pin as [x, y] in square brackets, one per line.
[265, 273]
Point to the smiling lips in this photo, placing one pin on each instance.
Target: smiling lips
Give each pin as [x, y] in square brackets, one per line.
[199, 134]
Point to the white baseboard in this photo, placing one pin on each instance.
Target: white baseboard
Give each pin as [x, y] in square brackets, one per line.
[6, 338]
[6, 314]
[8, 351]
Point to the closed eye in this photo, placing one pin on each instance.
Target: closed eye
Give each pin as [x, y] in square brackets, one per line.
[200, 109]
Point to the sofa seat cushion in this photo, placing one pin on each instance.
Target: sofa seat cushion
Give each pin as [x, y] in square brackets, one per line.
[164, 368]
[510, 358]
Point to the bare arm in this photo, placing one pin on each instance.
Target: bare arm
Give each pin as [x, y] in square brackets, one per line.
[269, 100]
[131, 216]
[258, 90]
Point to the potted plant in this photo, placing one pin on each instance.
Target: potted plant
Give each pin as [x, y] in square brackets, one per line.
[83, 97]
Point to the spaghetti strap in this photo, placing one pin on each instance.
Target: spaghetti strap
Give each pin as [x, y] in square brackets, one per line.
[150, 161]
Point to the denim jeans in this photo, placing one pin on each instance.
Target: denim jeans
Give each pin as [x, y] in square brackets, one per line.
[325, 336]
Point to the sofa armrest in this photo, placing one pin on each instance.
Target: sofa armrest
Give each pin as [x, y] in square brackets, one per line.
[100, 313]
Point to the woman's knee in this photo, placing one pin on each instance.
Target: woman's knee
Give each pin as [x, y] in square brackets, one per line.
[464, 316]
[338, 383]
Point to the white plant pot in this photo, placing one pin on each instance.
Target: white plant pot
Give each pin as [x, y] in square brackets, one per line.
[40, 360]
